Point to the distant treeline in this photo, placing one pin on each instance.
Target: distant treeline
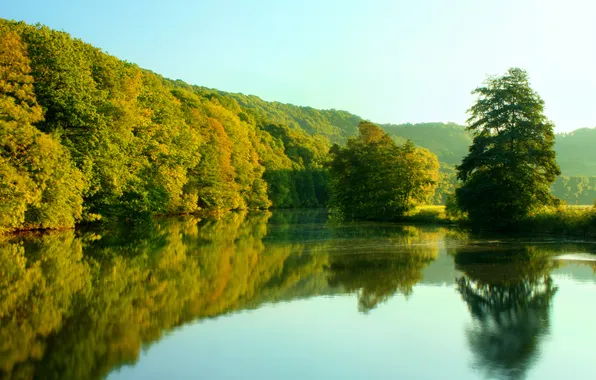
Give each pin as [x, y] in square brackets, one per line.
[575, 190]
[576, 154]
[575, 150]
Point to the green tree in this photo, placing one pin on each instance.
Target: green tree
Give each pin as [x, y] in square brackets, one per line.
[511, 162]
[421, 174]
[447, 184]
[39, 188]
[373, 178]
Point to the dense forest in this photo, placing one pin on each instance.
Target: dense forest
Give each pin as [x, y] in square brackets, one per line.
[85, 136]
[448, 141]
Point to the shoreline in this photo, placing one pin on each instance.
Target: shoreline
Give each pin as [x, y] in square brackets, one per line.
[562, 221]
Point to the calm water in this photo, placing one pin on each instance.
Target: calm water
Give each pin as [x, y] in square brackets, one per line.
[292, 295]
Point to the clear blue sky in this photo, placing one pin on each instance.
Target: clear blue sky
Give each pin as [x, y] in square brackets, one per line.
[385, 60]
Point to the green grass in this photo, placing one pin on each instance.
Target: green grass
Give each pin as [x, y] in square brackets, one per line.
[578, 206]
[428, 215]
[564, 220]
[574, 220]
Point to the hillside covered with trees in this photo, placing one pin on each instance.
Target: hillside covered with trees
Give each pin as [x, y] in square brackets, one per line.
[575, 152]
[85, 136]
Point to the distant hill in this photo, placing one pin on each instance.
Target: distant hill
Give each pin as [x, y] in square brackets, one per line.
[576, 152]
[449, 141]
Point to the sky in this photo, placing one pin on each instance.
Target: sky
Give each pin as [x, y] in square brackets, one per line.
[389, 61]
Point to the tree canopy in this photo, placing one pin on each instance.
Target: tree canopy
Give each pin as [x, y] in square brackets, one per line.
[374, 178]
[511, 162]
[85, 136]
[39, 187]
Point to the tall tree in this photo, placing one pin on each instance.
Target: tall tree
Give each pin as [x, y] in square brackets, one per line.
[511, 162]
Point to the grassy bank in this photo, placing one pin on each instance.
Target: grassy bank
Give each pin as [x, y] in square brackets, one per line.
[429, 215]
[579, 221]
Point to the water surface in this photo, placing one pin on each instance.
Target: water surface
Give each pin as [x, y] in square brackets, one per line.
[294, 295]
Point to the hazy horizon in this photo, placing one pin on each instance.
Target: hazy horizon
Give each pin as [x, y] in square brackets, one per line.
[386, 61]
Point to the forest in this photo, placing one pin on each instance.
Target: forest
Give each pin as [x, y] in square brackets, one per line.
[87, 137]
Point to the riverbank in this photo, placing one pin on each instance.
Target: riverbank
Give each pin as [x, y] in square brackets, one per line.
[429, 215]
[579, 221]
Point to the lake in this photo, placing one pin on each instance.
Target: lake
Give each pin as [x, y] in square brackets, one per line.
[294, 295]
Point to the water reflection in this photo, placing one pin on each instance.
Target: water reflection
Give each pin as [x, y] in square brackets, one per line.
[75, 316]
[509, 294]
[41, 281]
[391, 263]
[79, 305]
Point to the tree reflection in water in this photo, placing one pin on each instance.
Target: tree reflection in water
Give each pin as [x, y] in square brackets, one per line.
[392, 264]
[79, 305]
[76, 306]
[509, 294]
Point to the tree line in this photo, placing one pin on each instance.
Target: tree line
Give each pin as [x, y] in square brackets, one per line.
[86, 137]
[374, 178]
[575, 190]
[507, 173]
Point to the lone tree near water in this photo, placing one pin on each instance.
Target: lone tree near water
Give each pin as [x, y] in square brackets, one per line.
[373, 178]
[511, 162]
